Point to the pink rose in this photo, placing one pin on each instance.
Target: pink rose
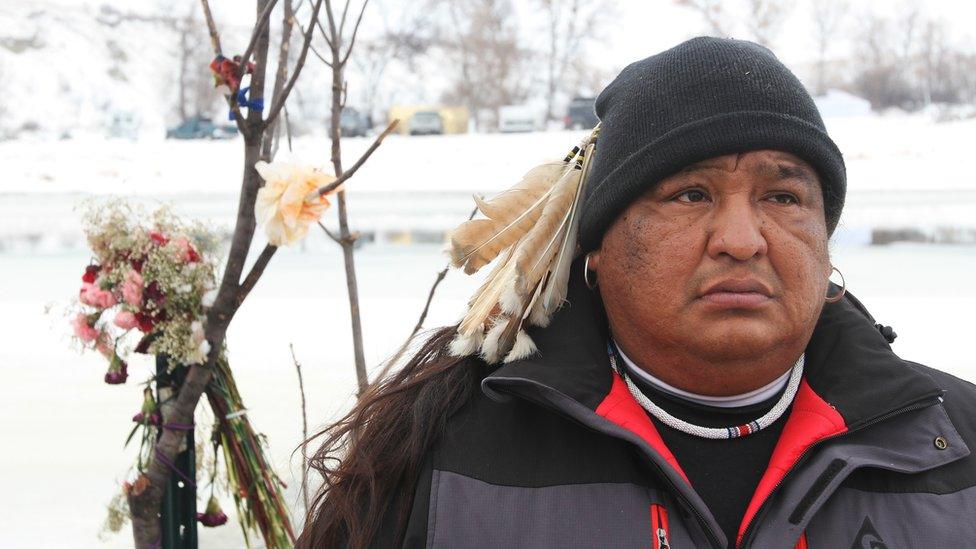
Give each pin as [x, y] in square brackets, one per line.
[125, 320]
[185, 251]
[94, 296]
[132, 288]
[83, 330]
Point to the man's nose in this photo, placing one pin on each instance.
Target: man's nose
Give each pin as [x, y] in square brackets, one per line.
[736, 230]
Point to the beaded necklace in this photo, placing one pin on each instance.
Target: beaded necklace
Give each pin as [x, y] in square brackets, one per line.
[710, 432]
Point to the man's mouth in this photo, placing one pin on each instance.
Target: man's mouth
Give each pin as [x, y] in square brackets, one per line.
[744, 293]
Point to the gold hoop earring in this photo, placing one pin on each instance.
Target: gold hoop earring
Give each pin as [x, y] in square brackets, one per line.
[843, 288]
[586, 272]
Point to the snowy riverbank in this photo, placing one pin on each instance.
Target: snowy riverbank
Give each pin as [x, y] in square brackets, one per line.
[904, 172]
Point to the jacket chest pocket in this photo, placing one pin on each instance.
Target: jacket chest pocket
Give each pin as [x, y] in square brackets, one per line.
[467, 512]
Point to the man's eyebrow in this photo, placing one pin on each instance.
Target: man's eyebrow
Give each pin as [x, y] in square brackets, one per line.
[698, 167]
[795, 171]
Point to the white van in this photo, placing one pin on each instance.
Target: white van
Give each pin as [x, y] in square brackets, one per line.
[518, 118]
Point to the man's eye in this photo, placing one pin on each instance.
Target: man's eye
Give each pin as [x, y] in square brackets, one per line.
[784, 198]
[692, 195]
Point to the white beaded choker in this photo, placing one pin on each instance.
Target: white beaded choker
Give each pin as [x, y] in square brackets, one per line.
[766, 420]
[762, 394]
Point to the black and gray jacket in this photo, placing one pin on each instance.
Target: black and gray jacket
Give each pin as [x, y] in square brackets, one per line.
[555, 453]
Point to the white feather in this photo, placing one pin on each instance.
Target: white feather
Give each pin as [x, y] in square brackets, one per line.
[524, 346]
[489, 348]
[510, 301]
[466, 345]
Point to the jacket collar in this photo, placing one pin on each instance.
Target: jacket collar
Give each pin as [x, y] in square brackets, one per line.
[849, 364]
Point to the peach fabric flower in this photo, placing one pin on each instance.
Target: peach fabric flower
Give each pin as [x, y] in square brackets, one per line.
[281, 205]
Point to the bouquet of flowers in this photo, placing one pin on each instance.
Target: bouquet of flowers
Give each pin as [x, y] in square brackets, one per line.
[147, 290]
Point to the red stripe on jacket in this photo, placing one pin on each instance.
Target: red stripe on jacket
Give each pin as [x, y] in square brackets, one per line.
[620, 407]
[811, 419]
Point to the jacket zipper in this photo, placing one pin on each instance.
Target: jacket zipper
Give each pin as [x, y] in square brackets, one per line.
[702, 522]
[659, 526]
[750, 530]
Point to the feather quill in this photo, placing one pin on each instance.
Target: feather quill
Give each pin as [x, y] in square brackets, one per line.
[510, 215]
[531, 231]
[554, 292]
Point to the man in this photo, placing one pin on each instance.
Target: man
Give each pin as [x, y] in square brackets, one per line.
[704, 386]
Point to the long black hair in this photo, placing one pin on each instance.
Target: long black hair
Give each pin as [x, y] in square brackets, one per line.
[370, 459]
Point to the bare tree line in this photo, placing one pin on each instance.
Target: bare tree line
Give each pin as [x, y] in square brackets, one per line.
[903, 60]
[484, 60]
[480, 52]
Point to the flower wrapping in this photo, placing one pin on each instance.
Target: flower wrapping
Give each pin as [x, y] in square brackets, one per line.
[283, 206]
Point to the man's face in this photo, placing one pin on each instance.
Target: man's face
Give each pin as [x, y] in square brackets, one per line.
[725, 260]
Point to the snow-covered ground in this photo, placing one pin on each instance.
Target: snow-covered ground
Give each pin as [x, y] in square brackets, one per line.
[63, 428]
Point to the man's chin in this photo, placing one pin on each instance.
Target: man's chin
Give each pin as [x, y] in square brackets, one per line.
[738, 339]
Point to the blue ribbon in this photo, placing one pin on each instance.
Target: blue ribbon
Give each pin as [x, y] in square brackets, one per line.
[243, 101]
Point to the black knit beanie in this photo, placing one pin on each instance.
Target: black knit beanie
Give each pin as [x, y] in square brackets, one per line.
[703, 98]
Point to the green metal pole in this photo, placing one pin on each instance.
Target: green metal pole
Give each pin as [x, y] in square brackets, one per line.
[179, 512]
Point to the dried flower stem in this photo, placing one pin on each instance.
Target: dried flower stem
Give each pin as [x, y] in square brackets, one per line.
[301, 389]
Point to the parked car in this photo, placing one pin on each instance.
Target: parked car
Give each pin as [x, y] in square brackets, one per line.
[580, 115]
[426, 123]
[353, 123]
[518, 118]
[199, 127]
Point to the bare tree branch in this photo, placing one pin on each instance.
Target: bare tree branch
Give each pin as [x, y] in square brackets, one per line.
[322, 59]
[287, 128]
[342, 20]
[322, 31]
[259, 27]
[325, 189]
[287, 21]
[256, 271]
[331, 234]
[279, 102]
[212, 27]
[355, 30]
